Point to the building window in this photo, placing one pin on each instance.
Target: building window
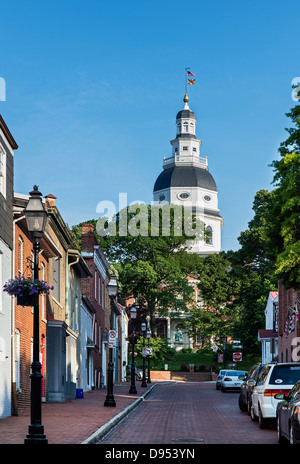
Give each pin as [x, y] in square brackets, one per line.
[56, 278]
[100, 339]
[185, 148]
[20, 255]
[2, 171]
[192, 128]
[209, 235]
[161, 330]
[194, 149]
[186, 127]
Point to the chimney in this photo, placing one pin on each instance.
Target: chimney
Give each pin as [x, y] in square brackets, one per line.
[87, 236]
[50, 199]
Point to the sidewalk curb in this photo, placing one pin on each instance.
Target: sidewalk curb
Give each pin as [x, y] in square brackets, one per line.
[100, 433]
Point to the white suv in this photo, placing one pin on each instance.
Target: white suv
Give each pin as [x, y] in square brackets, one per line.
[273, 378]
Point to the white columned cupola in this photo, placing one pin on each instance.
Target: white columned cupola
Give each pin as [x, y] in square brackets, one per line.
[186, 180]
[186, 144]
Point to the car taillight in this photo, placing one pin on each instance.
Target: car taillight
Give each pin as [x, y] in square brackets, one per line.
[227, 379]
[269, 392]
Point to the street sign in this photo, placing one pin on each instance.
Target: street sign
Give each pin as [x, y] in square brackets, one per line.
[112, 339]
[146, 351]
[237, 356]
[220, 358]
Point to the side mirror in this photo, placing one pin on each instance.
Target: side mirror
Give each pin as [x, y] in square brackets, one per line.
[281, 396]
[251, 383]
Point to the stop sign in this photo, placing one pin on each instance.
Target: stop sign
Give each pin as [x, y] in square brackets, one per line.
[237, 356]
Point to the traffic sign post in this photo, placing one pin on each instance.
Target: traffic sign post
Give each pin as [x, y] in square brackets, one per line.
[112, 339]
[147, 351]
[237, 356]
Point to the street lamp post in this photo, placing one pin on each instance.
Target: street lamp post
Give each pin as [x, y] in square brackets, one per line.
[148, 337]
[112, 288]
[36, 217]
[133, 314]
[144, 328]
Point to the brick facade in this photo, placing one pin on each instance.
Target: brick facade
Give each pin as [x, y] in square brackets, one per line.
[23, 325]
[95, 289]
[287, 342]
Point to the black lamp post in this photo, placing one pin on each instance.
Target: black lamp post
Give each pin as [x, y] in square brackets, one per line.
[148, 337]
[144, 329]
[36, 217]
[133, 314]
[112, 288]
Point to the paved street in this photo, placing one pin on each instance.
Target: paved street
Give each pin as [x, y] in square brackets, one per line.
[190, 413]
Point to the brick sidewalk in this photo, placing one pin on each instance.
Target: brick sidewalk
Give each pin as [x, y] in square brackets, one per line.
[76, 421]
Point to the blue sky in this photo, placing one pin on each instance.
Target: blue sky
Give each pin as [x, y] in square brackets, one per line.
[93, 88]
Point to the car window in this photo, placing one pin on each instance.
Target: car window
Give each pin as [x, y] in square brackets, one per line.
[295, 391]
[286, 375]
[263, 374]
[253, 372]
[235, 373]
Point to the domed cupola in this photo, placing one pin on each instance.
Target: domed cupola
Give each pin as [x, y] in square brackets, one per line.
[186, 180]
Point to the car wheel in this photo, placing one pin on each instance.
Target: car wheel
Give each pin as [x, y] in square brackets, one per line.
[223, 389]
[252, 413]
[280, 438]
[249, 403]
[262, 422]
[292, 441]
[242, 404]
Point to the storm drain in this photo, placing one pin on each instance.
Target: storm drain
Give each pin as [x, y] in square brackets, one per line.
[188, 440]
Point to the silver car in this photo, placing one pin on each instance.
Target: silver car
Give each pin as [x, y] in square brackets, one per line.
[232, 380]
[219, 378]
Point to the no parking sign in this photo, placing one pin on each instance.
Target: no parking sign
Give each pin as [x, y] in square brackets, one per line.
[112, 339]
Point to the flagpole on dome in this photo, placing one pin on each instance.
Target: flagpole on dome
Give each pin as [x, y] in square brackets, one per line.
[186, 79]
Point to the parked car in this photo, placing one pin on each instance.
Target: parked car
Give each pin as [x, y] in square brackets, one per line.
[288, 416]
[231, 380]
[245, 397]
[219, 378]
[273, 378]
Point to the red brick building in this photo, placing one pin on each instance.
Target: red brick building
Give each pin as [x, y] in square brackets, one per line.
[94, 288]
[288, 325]
[22, 317]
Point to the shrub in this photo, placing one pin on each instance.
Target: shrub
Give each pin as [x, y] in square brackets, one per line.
[184, 368]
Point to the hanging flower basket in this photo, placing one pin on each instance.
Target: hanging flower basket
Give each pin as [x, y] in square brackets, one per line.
[26, 290]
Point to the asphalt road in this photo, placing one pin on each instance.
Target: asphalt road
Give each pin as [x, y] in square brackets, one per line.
[189, 413]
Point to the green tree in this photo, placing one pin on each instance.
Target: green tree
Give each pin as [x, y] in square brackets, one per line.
[148, 246]
[215, 314]
[284, 215]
